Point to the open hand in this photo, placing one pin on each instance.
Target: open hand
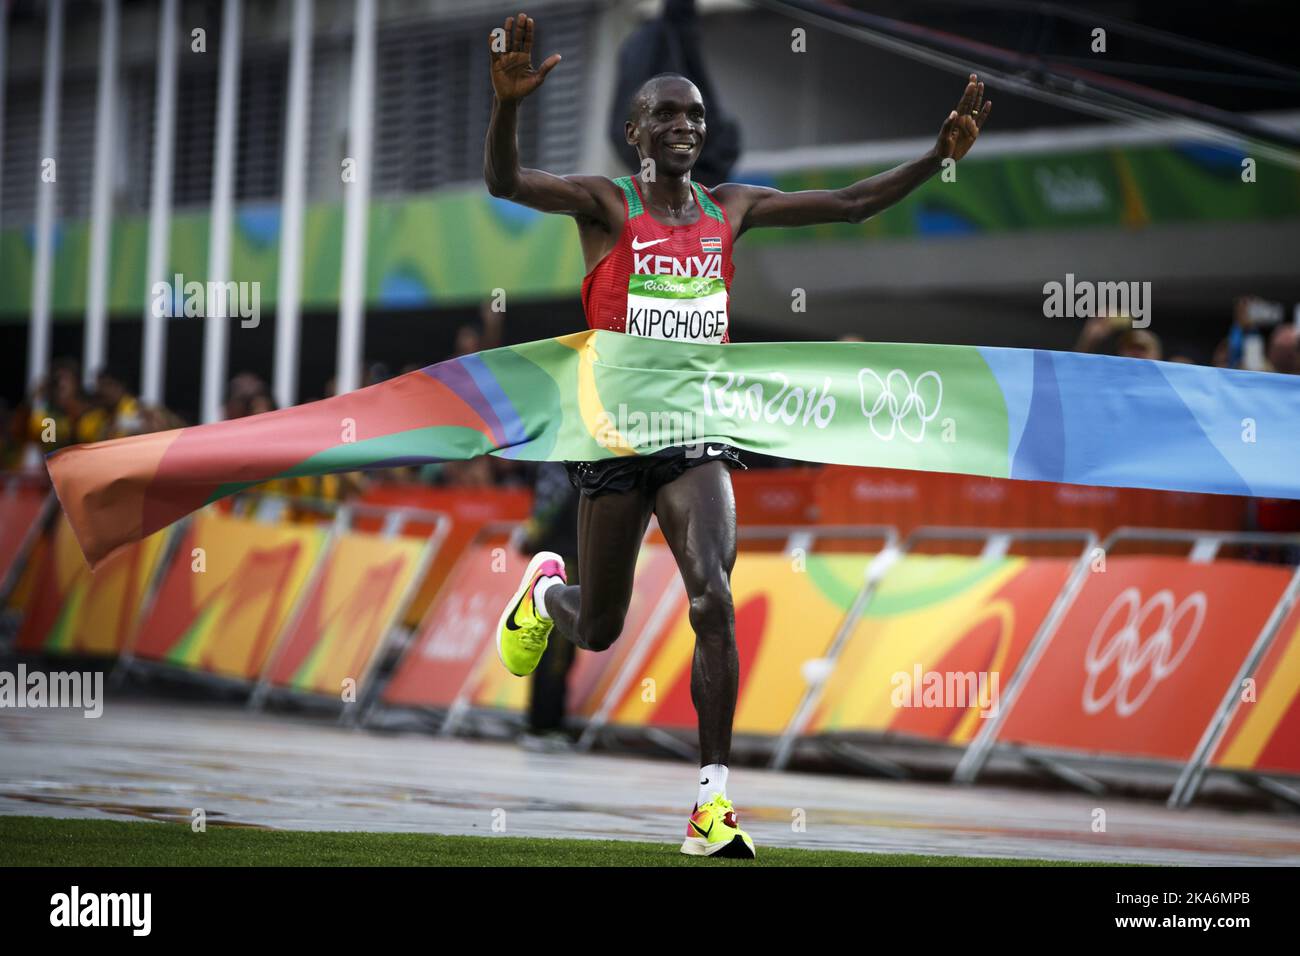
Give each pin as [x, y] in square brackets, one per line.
[513, 76]
[963, 125]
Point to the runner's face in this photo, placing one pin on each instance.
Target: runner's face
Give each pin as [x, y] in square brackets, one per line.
[671, 118]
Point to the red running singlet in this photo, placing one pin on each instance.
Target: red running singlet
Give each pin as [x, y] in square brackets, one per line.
[664, 282]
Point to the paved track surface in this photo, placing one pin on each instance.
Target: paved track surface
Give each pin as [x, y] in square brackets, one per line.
[161, 760]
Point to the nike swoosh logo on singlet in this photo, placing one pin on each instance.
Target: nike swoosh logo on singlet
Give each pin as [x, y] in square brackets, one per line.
[638, 245]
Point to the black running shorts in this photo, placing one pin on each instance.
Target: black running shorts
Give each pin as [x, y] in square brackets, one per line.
[646, 473]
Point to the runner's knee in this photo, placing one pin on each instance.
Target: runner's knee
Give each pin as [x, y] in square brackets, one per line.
[598, 632]
[712, 613]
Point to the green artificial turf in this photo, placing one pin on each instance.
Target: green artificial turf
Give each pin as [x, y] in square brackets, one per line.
[47, 841]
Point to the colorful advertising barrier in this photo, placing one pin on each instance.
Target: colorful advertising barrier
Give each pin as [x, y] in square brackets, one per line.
[1144, 656]
[911, 499]
[71, 611]
[787, 611]
[941, 637]
[228, 594]
[470, 509]
[458, 630]
[348, 611]
[20, 509]
[776, 495]
[1264, 733]
[593, 675]
[21, 595]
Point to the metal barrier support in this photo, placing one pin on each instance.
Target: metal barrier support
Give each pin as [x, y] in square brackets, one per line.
[126, 659]
[344, 518]
[397, 519]
[642, 644]
[48, 508]
[978, 750]
[460, 706]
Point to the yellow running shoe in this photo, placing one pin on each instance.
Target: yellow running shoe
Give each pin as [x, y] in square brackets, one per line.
[522, 632]
[713, 831]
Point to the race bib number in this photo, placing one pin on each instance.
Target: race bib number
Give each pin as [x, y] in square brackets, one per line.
[677, 308]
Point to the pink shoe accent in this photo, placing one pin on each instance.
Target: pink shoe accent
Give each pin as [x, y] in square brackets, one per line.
[547, 569]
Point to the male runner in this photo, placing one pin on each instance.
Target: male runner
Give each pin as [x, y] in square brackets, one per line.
[662, 223]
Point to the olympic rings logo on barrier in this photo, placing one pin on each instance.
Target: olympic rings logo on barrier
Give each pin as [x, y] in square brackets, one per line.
[902, 399]
[1131, 655]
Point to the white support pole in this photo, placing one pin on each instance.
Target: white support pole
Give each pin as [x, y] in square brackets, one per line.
[4, 61]
[288, 302]
[38, 343]
[216, 327]
[95, 348]
[160, 208]
[356, 205]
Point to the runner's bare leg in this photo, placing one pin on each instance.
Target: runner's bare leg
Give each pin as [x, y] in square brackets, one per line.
[610, 529]
[697, 514]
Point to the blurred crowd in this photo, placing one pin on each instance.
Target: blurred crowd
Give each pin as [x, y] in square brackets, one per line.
[1259, 339]
[60, 411]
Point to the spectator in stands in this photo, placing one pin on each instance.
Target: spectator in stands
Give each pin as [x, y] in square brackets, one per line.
[1139, 343]
[1284, 349]
[1259, 339]
[57, 404]
[154, 418]
[59, 413]
[1221, 352]
[114, 411]
[375, 373]
[243, 387]
[479, 338]
[1107, 333]
[1095, 334]
[260, 402]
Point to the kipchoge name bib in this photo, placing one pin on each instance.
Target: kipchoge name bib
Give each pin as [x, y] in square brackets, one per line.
[677, 308]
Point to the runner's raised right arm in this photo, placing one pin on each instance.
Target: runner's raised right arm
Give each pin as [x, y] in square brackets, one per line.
[514, 78]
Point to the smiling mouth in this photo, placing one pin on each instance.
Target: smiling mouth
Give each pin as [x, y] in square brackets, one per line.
[681, 147]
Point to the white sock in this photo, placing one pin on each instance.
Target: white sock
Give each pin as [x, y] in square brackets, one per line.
[713, 779]
[539, 593]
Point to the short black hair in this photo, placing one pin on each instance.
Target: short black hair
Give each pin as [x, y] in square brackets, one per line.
[634, 104]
